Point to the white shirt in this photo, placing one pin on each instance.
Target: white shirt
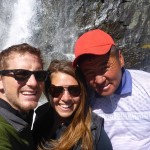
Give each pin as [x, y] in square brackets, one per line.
[127, 113]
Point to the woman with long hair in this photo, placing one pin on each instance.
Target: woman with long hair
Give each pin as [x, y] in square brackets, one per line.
[66, 122]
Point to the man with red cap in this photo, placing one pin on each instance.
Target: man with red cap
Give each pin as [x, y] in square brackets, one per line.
[121, 96]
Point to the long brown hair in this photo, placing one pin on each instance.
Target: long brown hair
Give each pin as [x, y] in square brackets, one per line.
[79, 129]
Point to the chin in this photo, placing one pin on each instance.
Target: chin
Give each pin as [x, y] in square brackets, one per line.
[65, 115]
[30, 107]
[105, 93]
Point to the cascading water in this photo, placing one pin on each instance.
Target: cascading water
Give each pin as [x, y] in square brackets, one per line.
[19, 30]
[54, 25]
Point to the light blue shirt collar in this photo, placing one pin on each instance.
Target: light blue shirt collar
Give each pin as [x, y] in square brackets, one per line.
[125, 84]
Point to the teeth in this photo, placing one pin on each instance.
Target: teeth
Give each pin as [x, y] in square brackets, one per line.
[65, 106]
[29, 93]
[105, 87]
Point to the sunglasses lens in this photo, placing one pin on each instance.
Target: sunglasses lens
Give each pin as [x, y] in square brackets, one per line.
[56, 91]
[22, 75]
[74, 90]
[41, 75]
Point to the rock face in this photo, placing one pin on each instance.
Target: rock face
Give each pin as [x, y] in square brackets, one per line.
[58, 24]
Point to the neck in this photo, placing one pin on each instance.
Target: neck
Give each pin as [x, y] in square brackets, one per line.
[58, 121]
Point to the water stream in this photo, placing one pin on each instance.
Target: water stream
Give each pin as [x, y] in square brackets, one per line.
[19, 30]
[54, 25]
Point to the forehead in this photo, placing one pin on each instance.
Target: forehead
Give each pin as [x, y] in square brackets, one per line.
[94, 59]
[16, 60]
[60, 78]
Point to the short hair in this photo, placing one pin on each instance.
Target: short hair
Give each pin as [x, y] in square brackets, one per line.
[114, 51]
[20, 49]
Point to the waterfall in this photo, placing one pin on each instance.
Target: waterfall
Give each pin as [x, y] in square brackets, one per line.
[19, 30]
[54, 25]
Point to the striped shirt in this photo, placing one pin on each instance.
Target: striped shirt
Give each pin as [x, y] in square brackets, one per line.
[127, 112]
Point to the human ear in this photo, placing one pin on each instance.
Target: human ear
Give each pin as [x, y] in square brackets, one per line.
[121, 59]
[1, 84]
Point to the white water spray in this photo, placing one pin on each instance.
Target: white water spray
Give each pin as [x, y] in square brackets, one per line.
[19, 31]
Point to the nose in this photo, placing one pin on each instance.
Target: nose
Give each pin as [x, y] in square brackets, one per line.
[32, 81]
[99, 79]
[65, 96]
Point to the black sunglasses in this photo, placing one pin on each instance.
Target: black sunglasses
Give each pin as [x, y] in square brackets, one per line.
[23, 75]
[56, 91]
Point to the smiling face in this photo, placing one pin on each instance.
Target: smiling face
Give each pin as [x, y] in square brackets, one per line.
[103, 73]
[22, 95]
[65, 104]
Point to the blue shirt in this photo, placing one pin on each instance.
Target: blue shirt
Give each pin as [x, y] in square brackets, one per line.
[127, 111]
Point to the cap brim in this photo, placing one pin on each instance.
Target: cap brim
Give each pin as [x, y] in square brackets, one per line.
[93, 51]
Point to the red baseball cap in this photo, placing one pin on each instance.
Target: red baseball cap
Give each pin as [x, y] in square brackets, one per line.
[96, 42]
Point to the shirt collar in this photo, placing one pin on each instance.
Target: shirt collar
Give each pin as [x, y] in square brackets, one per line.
[25, 116]
[7, 106]
[125, 84]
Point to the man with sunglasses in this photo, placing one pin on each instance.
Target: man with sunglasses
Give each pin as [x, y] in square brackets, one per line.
[21, 84]
[121, 96]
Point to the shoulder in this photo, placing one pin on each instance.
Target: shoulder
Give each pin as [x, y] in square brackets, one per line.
[139, 74]
[97, 124]
[5, 127]
[43, 112]
[140, 80]
[103, 142]
[42, 123]
[42, 109]
[97, 120]
[11, 139]
[8, 134]
[101, 139]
